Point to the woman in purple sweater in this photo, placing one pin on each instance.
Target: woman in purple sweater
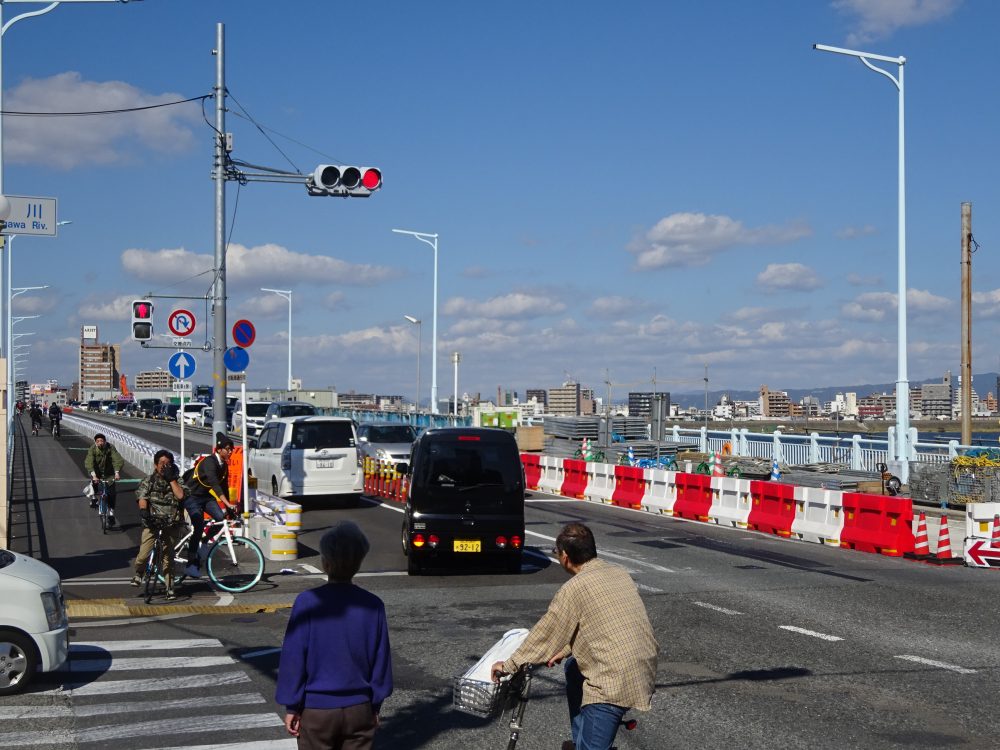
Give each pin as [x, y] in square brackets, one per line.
[336, 668]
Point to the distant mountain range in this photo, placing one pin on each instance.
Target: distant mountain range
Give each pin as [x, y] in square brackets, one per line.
[982, 384]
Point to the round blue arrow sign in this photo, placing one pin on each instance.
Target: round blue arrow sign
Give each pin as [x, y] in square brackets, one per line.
[181, 365]
[236, 359]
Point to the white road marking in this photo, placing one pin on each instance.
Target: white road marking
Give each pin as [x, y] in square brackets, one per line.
[129, 621]
[225, 600]
[649, 589]
[108, 664]
[717, 608]
[940, 664]
[813, 633]
[219, 723]
[612, 555]
[309, 568]
[286, 744]
[164, 645]
[146, 685]
[101, 709]
[260, 652]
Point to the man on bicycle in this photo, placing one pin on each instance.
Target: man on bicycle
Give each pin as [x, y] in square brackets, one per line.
[598, 620]
[207, 485]
[160, 497]
[104, 463]
[36, 417]
[55, 417]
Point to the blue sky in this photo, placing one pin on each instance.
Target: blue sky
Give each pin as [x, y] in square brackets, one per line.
[653, 185]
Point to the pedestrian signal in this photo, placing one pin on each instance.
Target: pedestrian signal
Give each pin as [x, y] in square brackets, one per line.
[142, 320]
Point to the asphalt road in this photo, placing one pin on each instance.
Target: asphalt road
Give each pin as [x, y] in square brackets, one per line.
[764, 642]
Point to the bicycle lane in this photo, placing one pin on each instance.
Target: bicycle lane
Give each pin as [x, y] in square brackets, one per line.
[52, 521]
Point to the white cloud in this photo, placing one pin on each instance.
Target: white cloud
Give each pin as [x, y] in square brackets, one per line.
[788, 277]
[513, 305]
[34, 303]
[692, 239]
[101, 308]
[68, 142]
[615, 306]
[252, 266]
[857, 279]
[987, 304]
[852, 233]
[875, 306]
[476, 272]
[876, 19]
[335, 301]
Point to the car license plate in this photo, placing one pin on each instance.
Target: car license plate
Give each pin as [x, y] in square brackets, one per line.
[462, 545]
[328, 464]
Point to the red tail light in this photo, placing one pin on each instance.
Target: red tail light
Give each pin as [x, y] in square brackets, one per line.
[418, 540]
[474, 438]
[433, 540]
[515, 542]
[501, 542]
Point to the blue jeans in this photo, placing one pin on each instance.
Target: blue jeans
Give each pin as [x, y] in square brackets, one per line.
[594, 725]
[196, 507]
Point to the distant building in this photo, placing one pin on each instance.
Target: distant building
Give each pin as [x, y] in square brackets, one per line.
[640, 403]
[153, 380]
[100, 365]
[357, 401]
[539, 394]
[936, 398]
[565, 400]
[774, 403]
[991, 403]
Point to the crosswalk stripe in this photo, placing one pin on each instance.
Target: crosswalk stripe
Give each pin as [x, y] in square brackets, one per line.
[13, 713]
[286, 744]
[108, 664]
[164, 645]
[125, 687]
[219, 723]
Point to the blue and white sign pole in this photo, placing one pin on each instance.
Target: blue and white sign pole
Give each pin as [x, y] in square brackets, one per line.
[182, 366]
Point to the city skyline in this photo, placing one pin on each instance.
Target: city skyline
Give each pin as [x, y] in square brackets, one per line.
[620, 198]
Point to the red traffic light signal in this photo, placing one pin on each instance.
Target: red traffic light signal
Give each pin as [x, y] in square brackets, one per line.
[142, 320]
[344, 181]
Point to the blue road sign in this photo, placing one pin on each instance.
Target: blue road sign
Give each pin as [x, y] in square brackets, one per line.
[244, 333]
[236, 359]
[181, 365]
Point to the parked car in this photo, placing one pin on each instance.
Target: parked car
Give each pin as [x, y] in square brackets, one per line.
[34, 632]
[148, 406]
[288, 409]
[386, 441]
[207, 416]
[93, 406]
[190, 412]
[298, 456]
[465, 503]
[109, 406]
[255, 413]
[166, 412]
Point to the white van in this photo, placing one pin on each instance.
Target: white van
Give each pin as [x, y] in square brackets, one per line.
[190, 413]
[256, 411]
[34, 631]
[298, 456]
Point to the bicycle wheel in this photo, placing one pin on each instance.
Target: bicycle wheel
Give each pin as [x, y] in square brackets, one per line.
[237, 570]
[153, 569]
[102, 509]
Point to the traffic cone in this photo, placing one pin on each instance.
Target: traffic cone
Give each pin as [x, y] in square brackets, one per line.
[944, 556]
[995, 541]
[775, 471]
[717, 470]
[922, 547]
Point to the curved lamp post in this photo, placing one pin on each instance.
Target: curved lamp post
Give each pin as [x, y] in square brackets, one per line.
[432, 240]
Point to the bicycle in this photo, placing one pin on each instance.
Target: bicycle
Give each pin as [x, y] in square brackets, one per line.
[103, 508]
[234, 563]
[34, 427]
[153, 576]
[56, 429]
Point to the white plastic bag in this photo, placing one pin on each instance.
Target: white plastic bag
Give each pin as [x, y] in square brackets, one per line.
[88, 491]
[500, 651]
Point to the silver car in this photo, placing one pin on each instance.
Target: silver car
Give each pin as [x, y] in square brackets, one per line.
[386, 441]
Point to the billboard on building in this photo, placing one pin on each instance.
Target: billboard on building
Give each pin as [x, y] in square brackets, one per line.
[90, 333]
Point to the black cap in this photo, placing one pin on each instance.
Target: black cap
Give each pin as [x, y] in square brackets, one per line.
[223, 441]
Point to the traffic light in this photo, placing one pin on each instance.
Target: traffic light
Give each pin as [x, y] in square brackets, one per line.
[142, 320]
[345, 181]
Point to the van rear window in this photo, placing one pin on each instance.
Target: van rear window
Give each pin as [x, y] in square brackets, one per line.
[297, 410]
[317, 435]
[467, 464]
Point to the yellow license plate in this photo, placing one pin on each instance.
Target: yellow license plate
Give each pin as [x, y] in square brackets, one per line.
[468, 546]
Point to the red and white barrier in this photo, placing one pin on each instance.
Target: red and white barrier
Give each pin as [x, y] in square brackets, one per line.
[730, 501]
[661, 491]
[553, 475]
[819, 515]
[601, 483]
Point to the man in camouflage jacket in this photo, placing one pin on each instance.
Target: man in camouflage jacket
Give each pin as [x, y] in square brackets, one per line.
[160, 496]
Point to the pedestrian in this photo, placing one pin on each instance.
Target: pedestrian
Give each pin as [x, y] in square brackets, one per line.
[598, 623]
[206, 486]
[160, 495]
[336, 666]
[104, 464]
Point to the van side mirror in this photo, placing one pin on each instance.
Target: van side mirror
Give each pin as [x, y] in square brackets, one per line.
[402, 468]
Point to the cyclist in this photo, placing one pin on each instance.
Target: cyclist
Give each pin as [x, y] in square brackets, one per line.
[55, 417]
[160, 495]
[104, 462]
[598, 620]
[206, 486]
[36, 418]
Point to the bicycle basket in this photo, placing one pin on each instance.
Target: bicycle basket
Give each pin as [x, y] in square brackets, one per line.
[484, 699]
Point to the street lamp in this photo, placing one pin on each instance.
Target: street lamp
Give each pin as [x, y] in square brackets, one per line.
[432, 240]
[286, 294]
[455, 359]
[417, 323]
[902, 382]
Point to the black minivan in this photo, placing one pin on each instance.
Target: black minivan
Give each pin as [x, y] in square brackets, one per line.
[465, 503]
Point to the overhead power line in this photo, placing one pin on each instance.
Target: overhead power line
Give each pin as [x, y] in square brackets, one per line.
[18, 113]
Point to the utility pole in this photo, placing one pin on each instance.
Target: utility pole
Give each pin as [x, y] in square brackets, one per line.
[706, 395]
[219, 392]
[966, 323]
